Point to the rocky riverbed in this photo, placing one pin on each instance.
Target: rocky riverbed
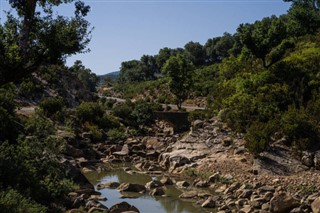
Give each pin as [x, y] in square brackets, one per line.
[211, 156]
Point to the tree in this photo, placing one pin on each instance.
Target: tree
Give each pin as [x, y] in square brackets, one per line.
[305, 16]
[38, 37]
[195, 52]
[180, 71]
[262, 36]
[218, 48]
[150, 66]
[164, 54]
[132, 71]
[85, 75]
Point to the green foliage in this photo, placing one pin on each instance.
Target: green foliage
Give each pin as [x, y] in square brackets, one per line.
[88, 79]
[12, 201]
[134, 114]
[116, 134]
[8, 125]
[195, 53]
[262, 36]
[30, 88]
[90, 112]
[40, 126]
[180, 71]
[302, 133]
[258, 136]
[143, 112]
[51, 105]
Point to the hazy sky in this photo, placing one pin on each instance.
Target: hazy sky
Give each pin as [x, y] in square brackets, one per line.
[125, 30]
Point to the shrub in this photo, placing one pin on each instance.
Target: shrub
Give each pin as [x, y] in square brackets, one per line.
[38, 125]
[301, 131]
[258, 136]
[51, 105]
[12, 201]
[143, 112]
[90, 112]
[116, 134]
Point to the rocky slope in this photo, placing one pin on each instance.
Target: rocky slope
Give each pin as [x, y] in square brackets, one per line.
[211, 156]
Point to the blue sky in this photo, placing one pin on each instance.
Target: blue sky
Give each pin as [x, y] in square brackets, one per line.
[125, 30]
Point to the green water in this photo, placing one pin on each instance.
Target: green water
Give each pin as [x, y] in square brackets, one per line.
[144, 202]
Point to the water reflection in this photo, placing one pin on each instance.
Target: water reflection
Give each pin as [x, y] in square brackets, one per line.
[144, 202]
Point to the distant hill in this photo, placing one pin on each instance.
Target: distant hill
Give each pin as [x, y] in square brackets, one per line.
[112, 76]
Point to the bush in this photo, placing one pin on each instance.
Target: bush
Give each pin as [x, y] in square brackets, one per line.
[258, 136]
[12, 201]
[52, 105]
[116, 134]
[90, 112]
[38, 125]
[301, 131]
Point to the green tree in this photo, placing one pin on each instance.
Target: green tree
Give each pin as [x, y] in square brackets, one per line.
[85, 75]
[39, 37]
[305, 16]
[218, 48]
[262, 36]
[180, 71]
[195, 53]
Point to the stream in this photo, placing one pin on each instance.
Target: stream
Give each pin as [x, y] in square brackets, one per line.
[144, 202]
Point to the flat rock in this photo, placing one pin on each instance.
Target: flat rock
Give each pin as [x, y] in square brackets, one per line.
[315, 206]
[283, 202]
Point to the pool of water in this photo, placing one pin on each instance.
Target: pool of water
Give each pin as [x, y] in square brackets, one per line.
[144, 202]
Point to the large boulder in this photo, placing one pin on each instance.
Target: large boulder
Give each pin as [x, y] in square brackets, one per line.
[123, 207]
[283, 202]
[131, 187]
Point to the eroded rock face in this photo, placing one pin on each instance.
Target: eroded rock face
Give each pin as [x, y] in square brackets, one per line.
[283, 202]
[123, 207]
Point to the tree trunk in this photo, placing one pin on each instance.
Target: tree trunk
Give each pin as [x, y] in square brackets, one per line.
[28, 11]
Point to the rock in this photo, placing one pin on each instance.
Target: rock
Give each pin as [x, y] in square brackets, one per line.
[241, 202]
[268, 196]
[179, 160]
[201, 183]
[209, 203]
[182, 184]
[315, 206]
[197, 124]
[124, 151]
[307, 159]
[283, 202]
[100, 186]
[264, 189]
[232, 188]
[239, 151]
[158, 191]
[246, 193]
[97, 198]
[131, 187]
[227, 141]
[166, 181]
[214, 178]
[265, 206]
[246, 209]
[97, 209]
[111, 185]
[122, 207]
[189, 195]
[316, 160]
[153, 184]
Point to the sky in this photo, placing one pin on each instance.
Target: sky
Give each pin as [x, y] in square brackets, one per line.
[127, 29]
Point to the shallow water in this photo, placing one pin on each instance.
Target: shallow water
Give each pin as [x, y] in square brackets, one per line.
[144, 202]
